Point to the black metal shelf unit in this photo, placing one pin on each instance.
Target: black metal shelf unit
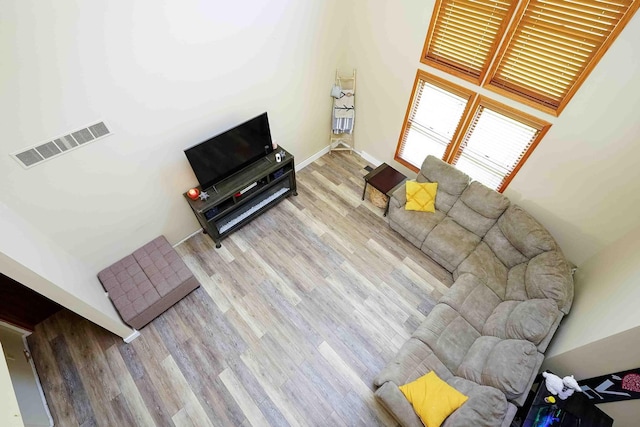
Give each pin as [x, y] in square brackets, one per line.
[243, 196]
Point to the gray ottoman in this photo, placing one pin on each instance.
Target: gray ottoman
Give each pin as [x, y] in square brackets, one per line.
[145, 284]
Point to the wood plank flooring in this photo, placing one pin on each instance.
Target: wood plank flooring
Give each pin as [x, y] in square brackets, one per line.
[297, 312]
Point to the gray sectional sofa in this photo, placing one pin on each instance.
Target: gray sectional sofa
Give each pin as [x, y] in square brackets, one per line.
[487, 335]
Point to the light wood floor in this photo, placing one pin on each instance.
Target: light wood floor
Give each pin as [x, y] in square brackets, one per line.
[297, 312]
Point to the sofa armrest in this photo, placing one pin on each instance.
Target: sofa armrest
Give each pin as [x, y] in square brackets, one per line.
[399, 196]
[520, 400]
[483, 408]
[544, 344]
[510, 415]
[390, 396]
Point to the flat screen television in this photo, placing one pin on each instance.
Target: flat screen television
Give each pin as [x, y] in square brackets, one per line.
[223, 155]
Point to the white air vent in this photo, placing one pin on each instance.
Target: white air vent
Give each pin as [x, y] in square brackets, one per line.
[38, 153]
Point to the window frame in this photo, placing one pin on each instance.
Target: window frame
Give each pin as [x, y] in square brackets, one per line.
[504, 38]
[579, 80]
[451, 69]
[482, 101]
[474, 102]
[442, 84]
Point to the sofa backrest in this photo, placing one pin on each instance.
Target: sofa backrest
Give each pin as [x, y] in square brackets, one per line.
[536, 267]
[517, 237]
[451, 181]
[478, 208]
[548, 275]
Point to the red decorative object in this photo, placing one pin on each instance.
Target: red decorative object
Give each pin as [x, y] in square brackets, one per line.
[631, 382]
[193, 194]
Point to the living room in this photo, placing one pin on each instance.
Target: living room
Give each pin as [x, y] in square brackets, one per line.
[166, 77]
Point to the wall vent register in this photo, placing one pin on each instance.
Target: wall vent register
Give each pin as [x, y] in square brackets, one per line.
[38, 153]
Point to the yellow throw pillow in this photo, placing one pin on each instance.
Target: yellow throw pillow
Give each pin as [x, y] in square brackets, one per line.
[421, 196]
[432, 399]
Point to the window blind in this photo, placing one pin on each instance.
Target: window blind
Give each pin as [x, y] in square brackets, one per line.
[494, 146]
[555, 45]
[431, 123]
[464, 34]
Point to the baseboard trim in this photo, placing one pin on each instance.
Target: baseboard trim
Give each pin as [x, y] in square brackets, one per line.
[369, 158]
[132, 337]
[303, 164]
[199, 230]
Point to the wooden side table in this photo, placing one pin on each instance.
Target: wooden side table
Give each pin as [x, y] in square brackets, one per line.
[385, 179]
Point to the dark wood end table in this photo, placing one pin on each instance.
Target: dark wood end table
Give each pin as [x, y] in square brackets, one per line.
[385, 179]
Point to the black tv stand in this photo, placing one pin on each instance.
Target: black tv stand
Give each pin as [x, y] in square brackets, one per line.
[229, 206]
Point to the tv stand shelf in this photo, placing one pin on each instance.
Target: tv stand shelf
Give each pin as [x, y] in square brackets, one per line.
[235, 201]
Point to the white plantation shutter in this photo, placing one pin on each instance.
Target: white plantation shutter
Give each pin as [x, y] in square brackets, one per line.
[494, 145]
[432, 121]
[537, 52]
[463, 35]
[488, 140]
[555, 45]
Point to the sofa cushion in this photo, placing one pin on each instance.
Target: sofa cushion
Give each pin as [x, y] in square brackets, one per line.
[502, 248]
[544, 343]
[516, 289]
[507, 365]
[432, 398]
[484, 264]
[486, 406]
[478, 208]
[449, 243]
[472, 299]
[413, 226]
[487, 202]
[548, 275]
[496, 325]
[451, 181]
[421, 196]
[413, 360]
[525, 233]
[529, 320]
[394, 401]
[448, 334]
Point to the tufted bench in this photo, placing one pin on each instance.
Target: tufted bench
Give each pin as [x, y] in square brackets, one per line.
[146, 283]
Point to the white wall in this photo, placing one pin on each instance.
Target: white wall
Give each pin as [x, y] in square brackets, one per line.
[601, 334]
[25, 384]
[606, 297]
[163, 75]
[385, 41]
[9, 410]
[34, 260]
[581, 180]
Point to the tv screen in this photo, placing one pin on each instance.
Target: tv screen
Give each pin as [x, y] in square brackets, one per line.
[223, 155]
